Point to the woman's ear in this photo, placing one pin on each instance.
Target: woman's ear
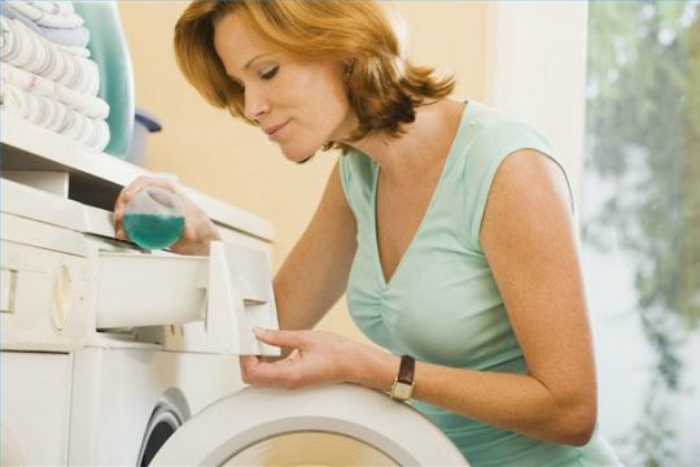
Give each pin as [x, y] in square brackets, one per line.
[347, 68]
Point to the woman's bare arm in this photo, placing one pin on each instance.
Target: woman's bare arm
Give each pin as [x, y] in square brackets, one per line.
[529, 238]
[315, 274]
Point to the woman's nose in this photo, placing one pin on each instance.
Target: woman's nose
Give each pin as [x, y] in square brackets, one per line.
[255, 105]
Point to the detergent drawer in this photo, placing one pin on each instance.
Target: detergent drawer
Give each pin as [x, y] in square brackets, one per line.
[137, 290]
[217, 299]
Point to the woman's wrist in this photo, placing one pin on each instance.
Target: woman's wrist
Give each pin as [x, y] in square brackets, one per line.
[204, 245]
[371, 367]
[214, 235]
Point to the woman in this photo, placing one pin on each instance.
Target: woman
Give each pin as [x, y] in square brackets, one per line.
[449, 224]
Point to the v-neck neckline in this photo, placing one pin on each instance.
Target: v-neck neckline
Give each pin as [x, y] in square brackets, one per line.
[386, 282]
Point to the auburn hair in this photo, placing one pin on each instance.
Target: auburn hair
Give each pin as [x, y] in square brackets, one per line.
[384, 89]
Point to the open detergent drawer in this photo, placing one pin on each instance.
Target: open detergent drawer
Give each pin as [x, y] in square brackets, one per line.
[136, 290]
[230, 292]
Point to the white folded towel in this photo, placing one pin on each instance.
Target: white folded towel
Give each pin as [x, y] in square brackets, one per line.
[54, 116]
[42, 17]
[25, 49]
[62, 7]
[74, 37]
[90, 106]
[82, 52]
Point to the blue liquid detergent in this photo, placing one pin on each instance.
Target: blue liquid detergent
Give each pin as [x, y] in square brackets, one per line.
[152, 231]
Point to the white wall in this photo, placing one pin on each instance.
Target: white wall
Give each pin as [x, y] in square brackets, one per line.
[536, 69]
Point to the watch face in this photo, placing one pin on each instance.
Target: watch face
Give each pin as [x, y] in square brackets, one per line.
[402, 391]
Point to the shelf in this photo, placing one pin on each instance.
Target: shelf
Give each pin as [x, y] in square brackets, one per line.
[96, 178]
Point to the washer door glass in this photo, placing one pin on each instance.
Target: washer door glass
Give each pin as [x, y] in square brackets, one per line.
[310, 449]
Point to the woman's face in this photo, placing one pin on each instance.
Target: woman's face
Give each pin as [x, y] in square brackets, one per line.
[301, 105]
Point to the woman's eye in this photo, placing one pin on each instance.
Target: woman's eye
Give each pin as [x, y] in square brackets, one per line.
[269, 74]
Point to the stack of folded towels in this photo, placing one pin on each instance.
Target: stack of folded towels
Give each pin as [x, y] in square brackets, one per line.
[46, 75]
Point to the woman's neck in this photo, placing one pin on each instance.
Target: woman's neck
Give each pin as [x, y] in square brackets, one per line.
[424, 145]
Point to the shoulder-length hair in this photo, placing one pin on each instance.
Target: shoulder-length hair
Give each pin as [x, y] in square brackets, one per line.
[384, 89]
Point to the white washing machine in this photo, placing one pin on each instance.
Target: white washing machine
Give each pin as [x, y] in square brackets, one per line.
[110, 353]
[107, 349]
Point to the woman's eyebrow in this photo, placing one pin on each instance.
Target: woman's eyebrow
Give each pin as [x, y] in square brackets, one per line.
[250, 62]
[247, 65]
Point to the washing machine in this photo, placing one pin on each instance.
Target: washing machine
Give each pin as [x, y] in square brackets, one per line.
[107, 349]
[112, 355]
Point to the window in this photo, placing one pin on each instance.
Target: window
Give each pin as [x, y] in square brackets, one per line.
[640, 218]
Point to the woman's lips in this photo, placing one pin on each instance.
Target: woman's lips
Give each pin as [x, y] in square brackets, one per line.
[275, 130]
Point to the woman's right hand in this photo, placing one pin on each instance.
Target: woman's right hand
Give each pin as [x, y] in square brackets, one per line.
[199, 230]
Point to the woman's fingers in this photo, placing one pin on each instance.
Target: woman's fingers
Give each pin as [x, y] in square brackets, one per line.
[128, 192]
[189, 231]
[285, 373]
[317, 359]
[282, 373]
[286, 339]
[244, 362]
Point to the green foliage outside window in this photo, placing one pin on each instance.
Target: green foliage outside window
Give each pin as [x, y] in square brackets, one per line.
[643, 141]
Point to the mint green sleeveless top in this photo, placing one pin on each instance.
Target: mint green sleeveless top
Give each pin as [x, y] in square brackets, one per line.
[442, 305]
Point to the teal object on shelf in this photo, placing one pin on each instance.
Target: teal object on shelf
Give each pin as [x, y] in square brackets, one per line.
[153, 231]
[110, 51]
[154, 218]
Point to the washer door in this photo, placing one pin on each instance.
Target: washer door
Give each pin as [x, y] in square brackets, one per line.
[331, 425]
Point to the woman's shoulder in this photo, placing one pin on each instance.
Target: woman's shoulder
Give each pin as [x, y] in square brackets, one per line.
[489, 119]
[495, 136]
[496, 132]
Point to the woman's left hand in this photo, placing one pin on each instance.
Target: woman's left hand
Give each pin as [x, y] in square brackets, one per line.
[317, 358]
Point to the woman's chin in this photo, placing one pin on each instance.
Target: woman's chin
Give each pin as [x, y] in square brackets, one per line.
[298, 155]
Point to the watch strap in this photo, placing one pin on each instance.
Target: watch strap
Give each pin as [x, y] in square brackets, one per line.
[406, 369]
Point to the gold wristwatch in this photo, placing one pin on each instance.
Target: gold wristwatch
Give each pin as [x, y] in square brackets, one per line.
[403, 384]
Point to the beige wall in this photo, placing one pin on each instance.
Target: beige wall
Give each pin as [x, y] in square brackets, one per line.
[213, 153]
